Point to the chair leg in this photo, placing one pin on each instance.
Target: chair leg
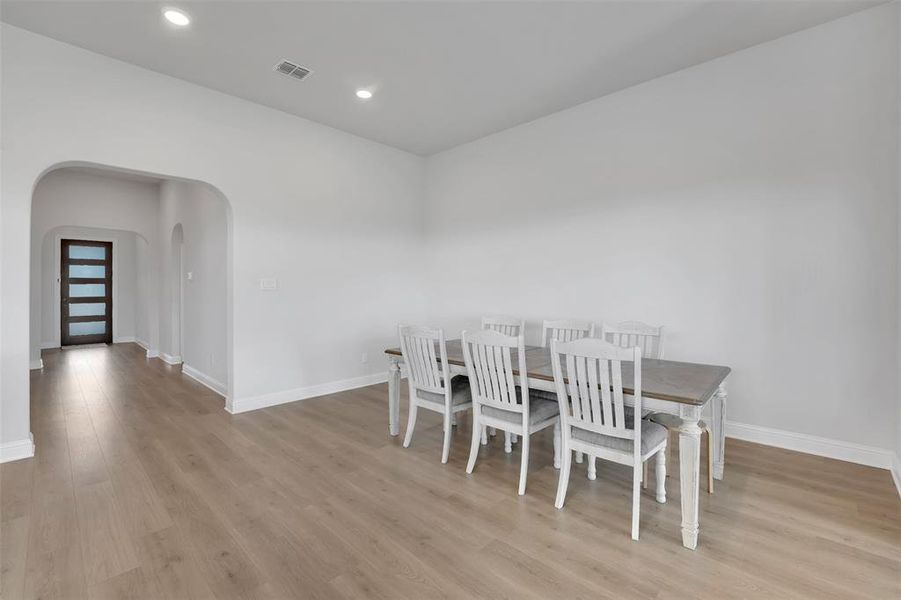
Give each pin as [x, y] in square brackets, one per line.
[709, 463]
[492, 431]
[524, 463]
[508, 442]
[592, 468]
[448, 429]
[557, 445]
[644, 475]
[484, 435]
[411, 422]
[636, 499]
[477, 433]
[579, 457]
[563, 477]
[660, 475]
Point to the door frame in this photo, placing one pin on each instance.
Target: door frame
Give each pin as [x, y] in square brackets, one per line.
[57, 283]
[66, 262]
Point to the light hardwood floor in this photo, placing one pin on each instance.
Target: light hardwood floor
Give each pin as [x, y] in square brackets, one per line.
[144, 487]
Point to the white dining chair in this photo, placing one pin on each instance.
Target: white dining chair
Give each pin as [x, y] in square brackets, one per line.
[507, 326]
[565, 330]
[629, 334]
[594, 419]
[425, 356]
[500, 399]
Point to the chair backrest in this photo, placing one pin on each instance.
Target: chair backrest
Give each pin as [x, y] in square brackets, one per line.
[506, 325]
[629, 334]
[425, 355]
[565, 330]
[489, 364]
[588, 376]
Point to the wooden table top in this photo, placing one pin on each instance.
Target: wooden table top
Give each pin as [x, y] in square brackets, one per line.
[686, 383]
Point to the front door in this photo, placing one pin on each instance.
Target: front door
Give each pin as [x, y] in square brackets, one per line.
[86, 292]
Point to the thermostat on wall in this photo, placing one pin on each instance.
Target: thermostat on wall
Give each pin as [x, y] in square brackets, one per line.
[268, 284]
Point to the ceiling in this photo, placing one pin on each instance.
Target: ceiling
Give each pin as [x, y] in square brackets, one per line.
[442, 73]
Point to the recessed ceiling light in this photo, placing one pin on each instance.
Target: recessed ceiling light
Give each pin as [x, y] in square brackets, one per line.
[364, 94]
[176, 17]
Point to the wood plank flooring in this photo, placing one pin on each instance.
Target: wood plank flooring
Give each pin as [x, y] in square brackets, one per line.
[144, 487]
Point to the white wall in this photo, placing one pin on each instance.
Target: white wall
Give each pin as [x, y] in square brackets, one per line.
[201, 213]
[335, 218]
[83, 205]
[749, 204]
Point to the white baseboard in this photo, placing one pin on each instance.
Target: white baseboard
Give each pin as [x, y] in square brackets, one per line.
[240, 405]
[17, 450]
[37, 364]
[150, 352]
[810, 444]
[170, 359]
[204, 379]
[124, 340]
[49, 345]
[896, 472]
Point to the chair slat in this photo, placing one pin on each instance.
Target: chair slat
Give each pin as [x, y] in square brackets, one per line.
[604, 383]
[616, 376]
[582, 378]
[594, 388]
[575, 405]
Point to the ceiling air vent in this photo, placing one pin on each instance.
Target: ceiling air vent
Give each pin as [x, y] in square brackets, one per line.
[291, 70]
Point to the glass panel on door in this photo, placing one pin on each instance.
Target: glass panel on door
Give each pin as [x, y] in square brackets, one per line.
[86, 290]
[88, 328]
[88, 252]
[87, 271]
[87, 309]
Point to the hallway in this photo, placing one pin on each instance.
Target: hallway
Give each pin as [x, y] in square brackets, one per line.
[143, 486]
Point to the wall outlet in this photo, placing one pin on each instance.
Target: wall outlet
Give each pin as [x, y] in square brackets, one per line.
[190, 275]
[269, 283]
[364, 358]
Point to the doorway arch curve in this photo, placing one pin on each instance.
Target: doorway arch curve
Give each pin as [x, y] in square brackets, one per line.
[120, 171]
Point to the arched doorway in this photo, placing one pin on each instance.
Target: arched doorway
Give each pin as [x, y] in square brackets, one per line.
[165, 311]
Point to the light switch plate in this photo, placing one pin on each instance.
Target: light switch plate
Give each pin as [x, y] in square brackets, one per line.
[268, 283]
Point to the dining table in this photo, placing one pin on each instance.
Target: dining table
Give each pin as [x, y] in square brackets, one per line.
[684, 389]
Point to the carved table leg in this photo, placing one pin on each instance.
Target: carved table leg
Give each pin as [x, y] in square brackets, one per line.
[689, 474]
[393, 397]
[718, 430]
